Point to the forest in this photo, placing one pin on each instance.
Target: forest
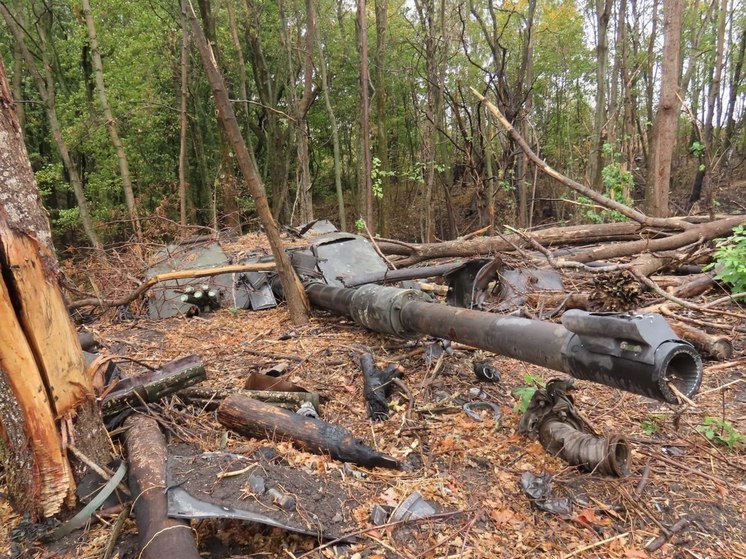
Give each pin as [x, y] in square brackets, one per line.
[121, 126]
[372, 279]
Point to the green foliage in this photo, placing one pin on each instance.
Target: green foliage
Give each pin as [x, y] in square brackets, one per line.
[377, 175]
[697, 149]
[360, 225]
[730, 260]
[722, 432]
[233, 310]
[49, 179]
[525, 393]
[651, 425]
[618, 183]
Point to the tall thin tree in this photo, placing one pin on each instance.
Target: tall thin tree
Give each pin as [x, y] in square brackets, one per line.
[46, 88]
[666, 120]
[293, 290]
[111, 124]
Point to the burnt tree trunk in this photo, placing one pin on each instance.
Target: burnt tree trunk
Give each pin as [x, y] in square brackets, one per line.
[46, 398]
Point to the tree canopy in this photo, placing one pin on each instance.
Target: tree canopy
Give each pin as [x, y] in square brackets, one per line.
[581, 81]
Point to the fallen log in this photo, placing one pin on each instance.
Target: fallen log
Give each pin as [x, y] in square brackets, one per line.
[181, 274]
[699, 233]
[717, 347]
[154, 385]
[577, 234]
[586, 191]
[160, 536]
[252, 418]
[210, 398]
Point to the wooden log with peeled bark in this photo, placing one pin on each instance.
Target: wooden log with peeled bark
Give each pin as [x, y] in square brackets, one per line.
[43, 381]
[159, 536]
[252, 418]
[717, 347]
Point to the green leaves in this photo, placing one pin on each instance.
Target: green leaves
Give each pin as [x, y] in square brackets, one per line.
[525, 393]
[730, 260]
[722, 432]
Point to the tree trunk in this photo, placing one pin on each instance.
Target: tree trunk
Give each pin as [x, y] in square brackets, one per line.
[111, 125]
[595, 163]
[382, 140]
[17, 85]
[275, 137]
[292, 288]
[666, 121]
[735, 84]
[242, 80]
[702, 184]
[300, 110]
[226, 184]
[42, 370]
[47, 94]
[335, 138]
[183, 120]
[367, 190]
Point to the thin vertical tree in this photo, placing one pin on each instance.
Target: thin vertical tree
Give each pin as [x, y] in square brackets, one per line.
[595, 162]
[183, 119]
[666, 120]
[111, 124]
[366, 194]
[292, 289]
[702, 186]
[46, 88]
[335, 135]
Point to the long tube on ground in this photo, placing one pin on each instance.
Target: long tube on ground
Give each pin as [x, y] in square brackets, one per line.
[602, 349]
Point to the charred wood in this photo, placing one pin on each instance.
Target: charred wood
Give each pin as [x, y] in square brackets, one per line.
[154, 385]
[252, 418]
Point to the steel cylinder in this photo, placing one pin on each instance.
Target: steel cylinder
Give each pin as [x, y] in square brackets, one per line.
[603, 349]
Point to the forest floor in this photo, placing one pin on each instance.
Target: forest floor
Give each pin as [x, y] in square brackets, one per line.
[682, 487]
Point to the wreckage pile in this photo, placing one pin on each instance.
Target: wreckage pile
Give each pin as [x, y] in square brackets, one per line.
[331, 440]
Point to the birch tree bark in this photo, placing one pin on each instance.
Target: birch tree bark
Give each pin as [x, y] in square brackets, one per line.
[111, 125]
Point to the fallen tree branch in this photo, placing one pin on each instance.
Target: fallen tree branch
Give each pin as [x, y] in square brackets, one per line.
[169, 276]
[699, 233]
[574, 185]
[576, 234]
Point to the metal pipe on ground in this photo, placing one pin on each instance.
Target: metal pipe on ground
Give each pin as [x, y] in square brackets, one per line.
[636, 353]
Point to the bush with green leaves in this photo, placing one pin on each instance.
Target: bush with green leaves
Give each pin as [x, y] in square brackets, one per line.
[730, 260]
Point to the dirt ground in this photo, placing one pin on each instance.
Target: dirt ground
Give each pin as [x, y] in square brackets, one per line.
[682, 487]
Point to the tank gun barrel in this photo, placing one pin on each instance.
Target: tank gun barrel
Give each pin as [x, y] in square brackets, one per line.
[636, 353]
